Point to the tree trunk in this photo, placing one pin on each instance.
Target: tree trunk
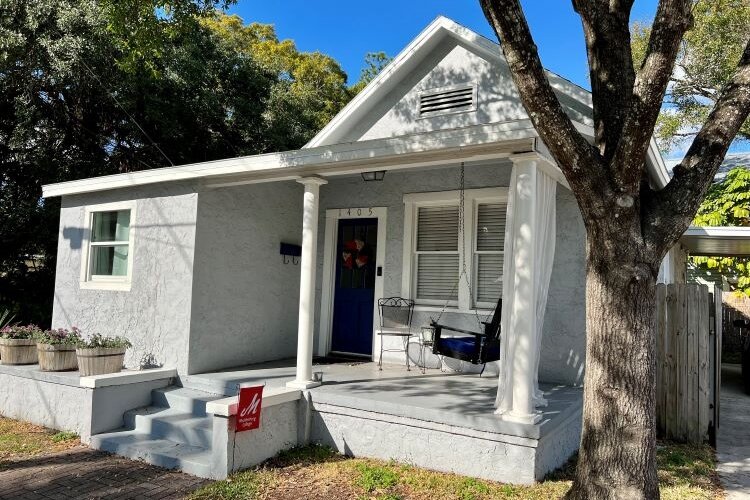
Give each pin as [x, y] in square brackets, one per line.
[617, 457]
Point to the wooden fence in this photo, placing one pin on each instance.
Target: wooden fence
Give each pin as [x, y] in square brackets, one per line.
[735, 307]
[687, 356]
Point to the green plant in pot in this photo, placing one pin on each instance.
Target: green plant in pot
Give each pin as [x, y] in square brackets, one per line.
[56, 349]
[98, 354]
[17, 345]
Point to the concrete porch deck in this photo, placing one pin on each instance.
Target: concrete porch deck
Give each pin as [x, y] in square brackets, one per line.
[464, 400]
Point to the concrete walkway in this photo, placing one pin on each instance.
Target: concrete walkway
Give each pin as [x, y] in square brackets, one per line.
[733, 439]
[84, 474]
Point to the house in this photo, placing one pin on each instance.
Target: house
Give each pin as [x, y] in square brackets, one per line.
[185, 261]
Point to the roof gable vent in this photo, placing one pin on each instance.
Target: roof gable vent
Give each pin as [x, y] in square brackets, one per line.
[455, 99]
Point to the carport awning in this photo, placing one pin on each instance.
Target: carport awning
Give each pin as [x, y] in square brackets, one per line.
[717, 241]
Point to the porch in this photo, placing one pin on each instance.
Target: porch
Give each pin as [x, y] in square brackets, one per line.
[438, 420]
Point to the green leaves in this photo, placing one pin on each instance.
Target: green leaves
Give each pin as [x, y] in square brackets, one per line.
[709, 56]
[728, 204]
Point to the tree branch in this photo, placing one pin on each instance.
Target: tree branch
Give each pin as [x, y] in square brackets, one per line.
[670, 211]
[578, 160]
[673, 19]
[606, 26]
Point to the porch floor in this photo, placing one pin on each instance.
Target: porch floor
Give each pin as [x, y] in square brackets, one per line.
[455, 399]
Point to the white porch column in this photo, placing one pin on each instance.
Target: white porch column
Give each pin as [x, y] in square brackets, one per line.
[519, 402]
[305, 330]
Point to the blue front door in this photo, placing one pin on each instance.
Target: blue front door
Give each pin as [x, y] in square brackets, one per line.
[354, 290]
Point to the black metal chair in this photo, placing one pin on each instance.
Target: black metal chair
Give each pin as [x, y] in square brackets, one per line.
[477, 348]
[395, 321]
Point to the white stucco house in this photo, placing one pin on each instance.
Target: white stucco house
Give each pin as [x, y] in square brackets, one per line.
[185, 261]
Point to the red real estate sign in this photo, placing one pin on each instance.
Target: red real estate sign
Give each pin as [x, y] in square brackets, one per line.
[248, 408]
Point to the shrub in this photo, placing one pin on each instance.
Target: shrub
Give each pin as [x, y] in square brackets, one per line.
[98, 340]
[60, 336]
[20, 332]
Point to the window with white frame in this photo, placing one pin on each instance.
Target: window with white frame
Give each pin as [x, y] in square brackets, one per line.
[433, 253]
[108, 258]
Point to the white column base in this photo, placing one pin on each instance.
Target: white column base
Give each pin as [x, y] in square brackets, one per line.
[302, 385]
[521, 418]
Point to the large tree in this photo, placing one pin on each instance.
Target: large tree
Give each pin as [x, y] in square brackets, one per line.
[630, 223]
[94, 88]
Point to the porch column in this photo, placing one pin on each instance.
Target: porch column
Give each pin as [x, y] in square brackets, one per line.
[519, 402]
[305, 330]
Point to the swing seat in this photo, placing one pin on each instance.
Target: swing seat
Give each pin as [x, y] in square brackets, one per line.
[476, 348]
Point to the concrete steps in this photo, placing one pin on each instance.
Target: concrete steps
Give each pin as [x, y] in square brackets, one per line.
[174, 432]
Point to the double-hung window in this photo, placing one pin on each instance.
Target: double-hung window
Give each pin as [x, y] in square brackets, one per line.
[435, 255]
[108, 253]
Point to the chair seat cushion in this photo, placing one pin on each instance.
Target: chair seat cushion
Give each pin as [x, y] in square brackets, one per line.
[467, 346]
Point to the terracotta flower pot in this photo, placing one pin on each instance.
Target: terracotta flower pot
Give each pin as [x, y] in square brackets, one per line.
[100, 360]
[18, 351]
[56, 357]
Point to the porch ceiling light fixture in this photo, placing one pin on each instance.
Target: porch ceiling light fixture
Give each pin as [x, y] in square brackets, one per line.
[377, 175]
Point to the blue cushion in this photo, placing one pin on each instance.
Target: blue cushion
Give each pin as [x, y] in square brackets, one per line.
[466, 345]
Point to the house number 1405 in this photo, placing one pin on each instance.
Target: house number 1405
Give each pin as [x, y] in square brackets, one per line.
[355, 211]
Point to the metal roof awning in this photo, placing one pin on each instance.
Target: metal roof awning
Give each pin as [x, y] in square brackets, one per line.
[717, 241]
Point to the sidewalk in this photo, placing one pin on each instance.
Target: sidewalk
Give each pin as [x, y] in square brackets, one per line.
[733, 438]
[87, 474]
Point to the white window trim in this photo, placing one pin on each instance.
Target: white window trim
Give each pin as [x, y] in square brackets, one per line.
[114, 283]
[473, 197]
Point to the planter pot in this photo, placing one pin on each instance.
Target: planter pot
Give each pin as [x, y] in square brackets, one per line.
[56, 358]
[100, 360]
[18, 351]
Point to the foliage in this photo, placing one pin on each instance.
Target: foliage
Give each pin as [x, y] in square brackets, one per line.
[5, 318]
[22, 440]
[64, 436]
[685, 472]
[709, 56]
[728, 204]
[310, 87]
[60, 336]
[97, 340]
[95, 88]
[375, 62]
[20, 332]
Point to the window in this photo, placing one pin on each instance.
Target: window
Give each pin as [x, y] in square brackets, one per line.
[433, 252]
[108, 253]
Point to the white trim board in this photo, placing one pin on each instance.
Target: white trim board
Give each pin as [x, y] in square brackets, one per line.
[333, 216]
[115, 283]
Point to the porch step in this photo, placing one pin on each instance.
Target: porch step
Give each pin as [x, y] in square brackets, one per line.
[182, 398]
[165, 453]
[172, 424]
[174, 432]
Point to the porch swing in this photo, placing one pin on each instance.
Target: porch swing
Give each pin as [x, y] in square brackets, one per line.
[479, 346]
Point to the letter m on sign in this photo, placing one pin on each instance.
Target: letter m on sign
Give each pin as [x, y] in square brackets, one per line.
[248, 408]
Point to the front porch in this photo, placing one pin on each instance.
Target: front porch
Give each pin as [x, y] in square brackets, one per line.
[438, 420]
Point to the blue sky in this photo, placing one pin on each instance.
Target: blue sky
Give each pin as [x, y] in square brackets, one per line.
[348, 30]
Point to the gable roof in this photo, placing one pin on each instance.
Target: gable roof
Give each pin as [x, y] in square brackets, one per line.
[408, 59]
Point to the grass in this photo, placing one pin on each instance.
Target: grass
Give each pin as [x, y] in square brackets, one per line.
[22, 440]
[686, 472]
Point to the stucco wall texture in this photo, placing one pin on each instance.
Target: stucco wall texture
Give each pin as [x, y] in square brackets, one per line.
[245, 299]
[155, 313]
[210, 290]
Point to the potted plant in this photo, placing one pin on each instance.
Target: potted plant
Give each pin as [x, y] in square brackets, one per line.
[99, 355]
[56, 349]
[17, 345]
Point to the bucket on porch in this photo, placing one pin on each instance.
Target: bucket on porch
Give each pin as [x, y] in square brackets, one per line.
[100, 360]
[18, 351]
[56, 358]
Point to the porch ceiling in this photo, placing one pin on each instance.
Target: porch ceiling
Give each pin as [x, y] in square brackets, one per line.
[717, 241]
